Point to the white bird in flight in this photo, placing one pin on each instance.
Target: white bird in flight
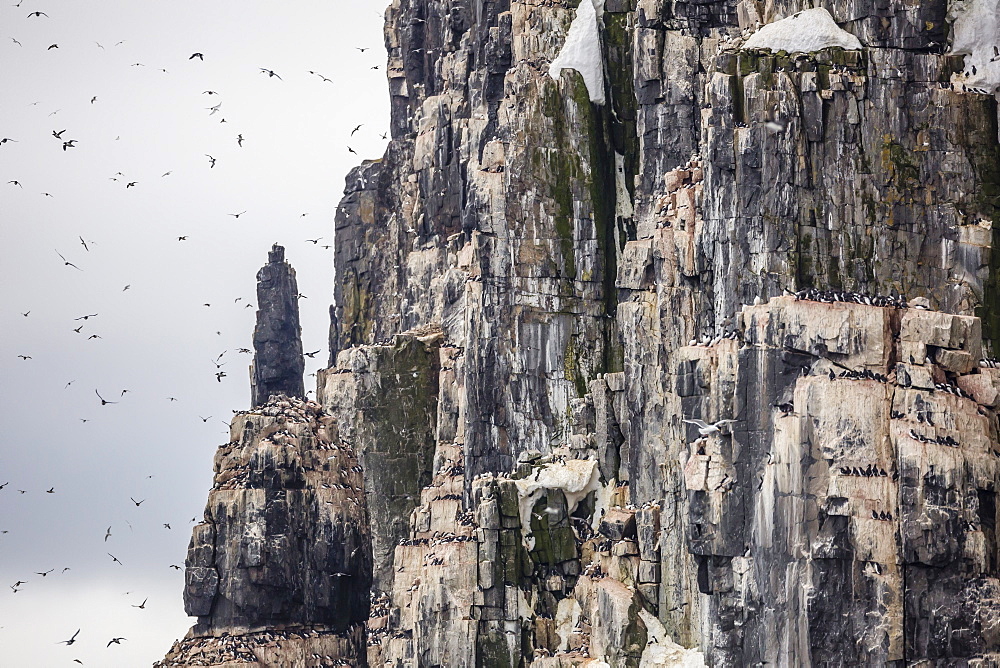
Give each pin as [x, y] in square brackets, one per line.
[705, 429]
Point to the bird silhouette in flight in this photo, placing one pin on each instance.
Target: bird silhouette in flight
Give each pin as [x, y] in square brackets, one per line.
[86, 317]
[45, 573]
[67, 263]
[50, 490]
[351, 150]
[200, 56]
[314, 241]
[16, 42]
[116, 641]
[115, 559]
[58, 135]
[131, 184]
[38, 14]
[270, 73]
[93, 99]
[211, 160]
[25, 357]
[209, 92]
[175, 567]
[220, 375]
[321, 76]
[84, 244]
[7, 139]
[239, 140]
[137, 503]
[356, 128]
[52, 46]
[107, 535]
[237, 215]
[362, 49]
[71, 640]
[71, 143]
[312, 354]
[182, 238]
[104, 402]
[214, 109]
[16, 183]
[141, 606]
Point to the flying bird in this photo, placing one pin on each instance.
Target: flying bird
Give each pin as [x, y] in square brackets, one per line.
[269, 73]
[45, 573]
[131, 184]
[237, 215]
[175, 567]
[16, 42]
[7, 139]
[25, 357]
[141, 606]
[209, 92]
[211, 160]
[115, 559]
[93, 99]
[214, 109]
[58, 135]
[104, 402]
[137, 503]
[182, 238]
[50, 490]
[67, 263]
[71, 640]
[38, 14]
[220, 375]
[69, 144]
[86, 317]
[107, 535]
[16, 183]
[52, 46]
[362, 49]
[705, 429]
[356, 128]
[84, 244]
[199, 56]
[351, 150]
[312, 354]
[314, 241]
[239, 140]
[116, 641]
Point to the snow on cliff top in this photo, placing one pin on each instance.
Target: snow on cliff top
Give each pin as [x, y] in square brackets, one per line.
[976, 35]
[807, 31]
[582, 50]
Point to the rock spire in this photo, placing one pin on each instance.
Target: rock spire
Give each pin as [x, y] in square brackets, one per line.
[277, 339]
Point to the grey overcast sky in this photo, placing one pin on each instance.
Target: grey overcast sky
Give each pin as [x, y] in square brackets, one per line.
[122, 84]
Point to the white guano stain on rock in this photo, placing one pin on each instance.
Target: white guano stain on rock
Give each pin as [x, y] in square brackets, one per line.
[576, 478]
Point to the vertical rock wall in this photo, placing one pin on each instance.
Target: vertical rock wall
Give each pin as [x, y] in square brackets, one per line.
[277, 340]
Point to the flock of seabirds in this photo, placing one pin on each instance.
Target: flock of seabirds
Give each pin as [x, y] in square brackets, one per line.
[81, 323]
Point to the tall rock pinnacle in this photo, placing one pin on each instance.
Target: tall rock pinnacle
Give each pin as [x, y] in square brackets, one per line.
[277, 341]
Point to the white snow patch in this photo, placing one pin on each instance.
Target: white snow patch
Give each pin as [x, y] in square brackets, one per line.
[623, 201]
[976, 35]
[807, 31]
[575, 477]
[662, 651]
[582, 49]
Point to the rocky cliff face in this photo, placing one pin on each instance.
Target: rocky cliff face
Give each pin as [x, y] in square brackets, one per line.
[279, 570]
[601, 272]
[677, 356]
[277, 339]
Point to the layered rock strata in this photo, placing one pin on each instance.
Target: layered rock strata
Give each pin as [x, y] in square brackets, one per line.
[600, 273]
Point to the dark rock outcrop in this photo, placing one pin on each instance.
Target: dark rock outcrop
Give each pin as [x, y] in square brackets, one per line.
[278, 363]
[283, 553]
